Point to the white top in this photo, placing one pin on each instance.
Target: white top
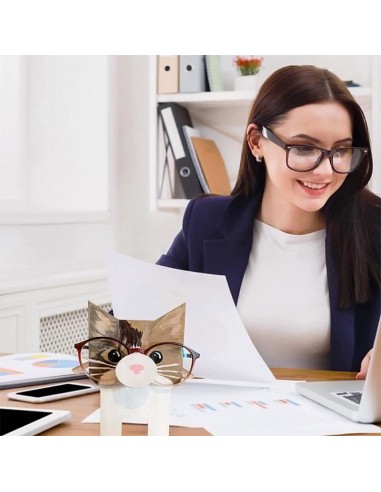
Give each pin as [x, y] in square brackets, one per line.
[283, 301]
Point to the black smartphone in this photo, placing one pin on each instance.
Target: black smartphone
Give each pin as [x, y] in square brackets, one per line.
[53, 392]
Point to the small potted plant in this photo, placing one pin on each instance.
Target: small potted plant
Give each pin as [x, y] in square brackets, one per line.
[247, 68]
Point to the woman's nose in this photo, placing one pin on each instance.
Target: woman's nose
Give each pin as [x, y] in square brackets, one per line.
[324, 167]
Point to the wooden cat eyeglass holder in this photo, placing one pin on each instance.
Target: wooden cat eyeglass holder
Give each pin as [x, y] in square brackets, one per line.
[136, 382]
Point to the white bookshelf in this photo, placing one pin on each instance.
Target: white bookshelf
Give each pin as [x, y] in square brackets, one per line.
[234, 98]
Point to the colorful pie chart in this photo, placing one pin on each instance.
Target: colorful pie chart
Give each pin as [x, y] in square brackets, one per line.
[56, 363]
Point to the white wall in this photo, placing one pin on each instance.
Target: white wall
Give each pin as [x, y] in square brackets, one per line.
[67, 133]
[139, 232]
[133, 230]
[65, 163]
[52, 247]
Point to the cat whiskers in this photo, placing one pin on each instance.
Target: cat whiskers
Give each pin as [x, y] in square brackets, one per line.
[169, 373]
[98, 368]
[106, 376]
[165, 371]
[101, 369]
[101, 362]
[167, 365]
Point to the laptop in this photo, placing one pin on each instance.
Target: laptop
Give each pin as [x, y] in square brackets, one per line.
[16, 421]
[357, 400]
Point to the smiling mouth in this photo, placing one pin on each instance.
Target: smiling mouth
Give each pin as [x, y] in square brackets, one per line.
[315, 189]
[313, 186]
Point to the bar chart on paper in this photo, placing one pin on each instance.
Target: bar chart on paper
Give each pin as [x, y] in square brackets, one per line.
[233, 411]
[238, 411]
[233, 405]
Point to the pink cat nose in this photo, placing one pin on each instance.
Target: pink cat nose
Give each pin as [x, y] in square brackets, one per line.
[136, 368]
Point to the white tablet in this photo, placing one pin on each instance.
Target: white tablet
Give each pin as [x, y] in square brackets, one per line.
[29, 422]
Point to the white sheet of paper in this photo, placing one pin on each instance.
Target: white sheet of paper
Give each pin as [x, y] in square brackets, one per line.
[36, 368]
[239, 411]
[279, 411]
[226, 382]
[213, 327]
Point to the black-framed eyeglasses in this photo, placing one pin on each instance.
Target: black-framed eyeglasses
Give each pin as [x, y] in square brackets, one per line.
[302, 158]
[99, 356]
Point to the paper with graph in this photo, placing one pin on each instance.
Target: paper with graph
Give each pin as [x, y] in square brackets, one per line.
[36, 368]
[276, 411]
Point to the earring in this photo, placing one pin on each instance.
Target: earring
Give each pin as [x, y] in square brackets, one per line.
[258, 158]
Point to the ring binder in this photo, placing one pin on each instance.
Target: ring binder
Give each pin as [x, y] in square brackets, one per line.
[174, 117]
[192, 73]
[167, 74]
[189, 133]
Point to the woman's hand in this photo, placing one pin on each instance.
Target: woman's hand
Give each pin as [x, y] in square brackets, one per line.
[364, 365]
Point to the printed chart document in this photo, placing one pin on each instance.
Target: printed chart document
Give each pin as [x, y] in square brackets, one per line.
[213, 327]
[234, 410]
[37, 368]
[276, 411]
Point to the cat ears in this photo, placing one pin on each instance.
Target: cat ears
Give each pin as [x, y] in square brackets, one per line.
[177, 313]
[100, 321]
[93, 308]
[169, 327]
[105, 317]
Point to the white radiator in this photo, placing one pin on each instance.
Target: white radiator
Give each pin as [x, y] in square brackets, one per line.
[59, 332]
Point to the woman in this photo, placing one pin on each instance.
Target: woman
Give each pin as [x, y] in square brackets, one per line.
[299, 238]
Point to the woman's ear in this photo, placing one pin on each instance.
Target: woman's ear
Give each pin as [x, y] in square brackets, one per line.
[253, 136]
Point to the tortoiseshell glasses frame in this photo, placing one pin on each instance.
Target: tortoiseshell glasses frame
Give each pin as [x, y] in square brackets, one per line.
[189, 353]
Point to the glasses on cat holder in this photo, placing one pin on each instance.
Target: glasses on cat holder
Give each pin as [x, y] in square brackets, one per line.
[99, 356]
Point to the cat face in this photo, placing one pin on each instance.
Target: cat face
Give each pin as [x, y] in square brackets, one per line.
[136, 353]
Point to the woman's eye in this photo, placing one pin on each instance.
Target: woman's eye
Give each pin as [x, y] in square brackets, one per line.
[304, 150]
[343, 152]
[156, 356]
[114, 356]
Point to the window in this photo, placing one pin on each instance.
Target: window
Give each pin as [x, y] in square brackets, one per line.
[54, 137]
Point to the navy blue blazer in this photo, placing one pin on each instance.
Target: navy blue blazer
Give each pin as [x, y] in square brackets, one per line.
[217, 236]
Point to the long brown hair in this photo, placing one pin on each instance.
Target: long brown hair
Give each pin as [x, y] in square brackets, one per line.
[352, 213]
